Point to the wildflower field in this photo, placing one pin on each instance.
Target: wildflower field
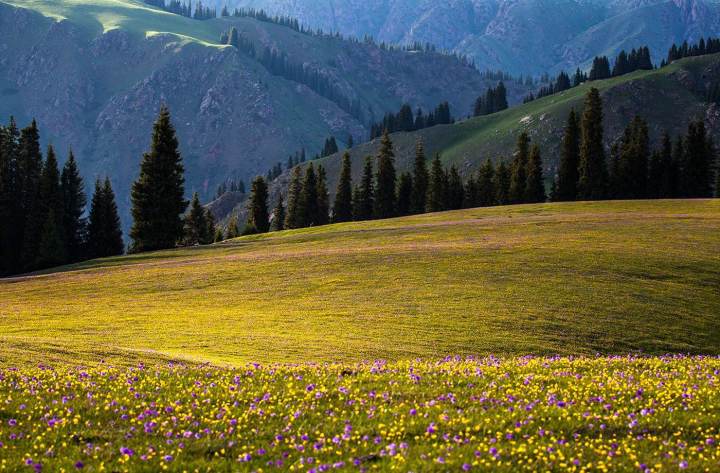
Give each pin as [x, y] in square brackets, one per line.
[458, 414]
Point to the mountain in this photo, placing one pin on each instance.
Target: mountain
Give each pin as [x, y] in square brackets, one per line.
[94, 74]
[519, 36]
[669, 98]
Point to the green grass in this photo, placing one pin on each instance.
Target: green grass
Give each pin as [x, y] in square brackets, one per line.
[577, 278]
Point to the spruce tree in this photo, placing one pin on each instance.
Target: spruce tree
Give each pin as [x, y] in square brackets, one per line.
[211, 229]
[502, 184]
[323, 199]
[74, 202]
[487, 194]
[518, 179]
[385, 198]
[51, 247]
[342, 209]
[104, 233]
[567, 181]
[258, 217]
[420, 177]
[157, 195]
[670, 172]
[436, 189]
[592, 182]
[404, 194]
[233, 228]
[535, 188]
[278, 220]
[293, 218]
[455, 191]
[195, 223]
[472, 194]
[364, 200]
[308, 209]
[10, 210]
[655, 176]
[30, 215]
[697, 176]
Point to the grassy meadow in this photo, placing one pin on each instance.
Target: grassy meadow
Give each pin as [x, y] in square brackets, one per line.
[576, 278]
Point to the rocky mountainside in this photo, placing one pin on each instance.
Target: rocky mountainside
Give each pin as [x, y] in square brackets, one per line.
[95, 73]
[519, 36]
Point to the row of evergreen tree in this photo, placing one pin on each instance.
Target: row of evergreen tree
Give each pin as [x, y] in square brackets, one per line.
[230, 185]
[44, 207]
[701, 48]
[405, 120]
[494, 100]
[185, 8]
[684, 169]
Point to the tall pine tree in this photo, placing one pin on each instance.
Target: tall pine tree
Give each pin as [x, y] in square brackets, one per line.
[323, 202]
[158, 201]
[258, 216]
[404, 193]
[30, 217]
[487, 194]
[535, 188]
[195, 223]
[364, 200]
[436, 188]
[104, 233]
[51, 245]
[342, 209]
[278, 218]
[567, 181]
[518, 178]
[308, 209]
[293, 219]
[385, 198]
[502, 184]
[418, 199]
[592, 183]
[74, 202]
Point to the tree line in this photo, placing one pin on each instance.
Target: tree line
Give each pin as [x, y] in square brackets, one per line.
[494, 100]
[701, 48]
[684, 168]
[680, 169]
[44, 207]
[406, 120]
[185, 8]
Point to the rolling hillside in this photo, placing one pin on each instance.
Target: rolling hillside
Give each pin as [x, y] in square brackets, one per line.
[94, 74]
[669, 98]
[580, 278]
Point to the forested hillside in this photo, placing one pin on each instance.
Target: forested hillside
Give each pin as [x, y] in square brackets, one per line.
[94, 75]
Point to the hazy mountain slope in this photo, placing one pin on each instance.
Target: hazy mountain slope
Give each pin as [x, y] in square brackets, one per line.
[521, 36]
[95, 73]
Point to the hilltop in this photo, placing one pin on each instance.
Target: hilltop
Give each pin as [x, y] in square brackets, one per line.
[577, 278]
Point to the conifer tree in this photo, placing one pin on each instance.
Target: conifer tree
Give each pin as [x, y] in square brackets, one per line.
[655, 176]
[211, 229]
[669, 179]
[456, 190]
[633, 169]
[592, 182]
[535, 188]
[74, 201]
[10, 238]
[51, 246]
[418, 199]
[364, 200]
[404, 194]
[258, 217]
[472, 194]
[567, 181]
[385, 198]
[104, 233]
[323, 202]
[158, 201]
[502, 184]
[487, 194]
[278, 221]
[30, 215]
[436, 189]
[308, 209]
[697, 169]
[195, 223]
[518, 179]
[342, 209]
[293, 219]
[233, 228]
